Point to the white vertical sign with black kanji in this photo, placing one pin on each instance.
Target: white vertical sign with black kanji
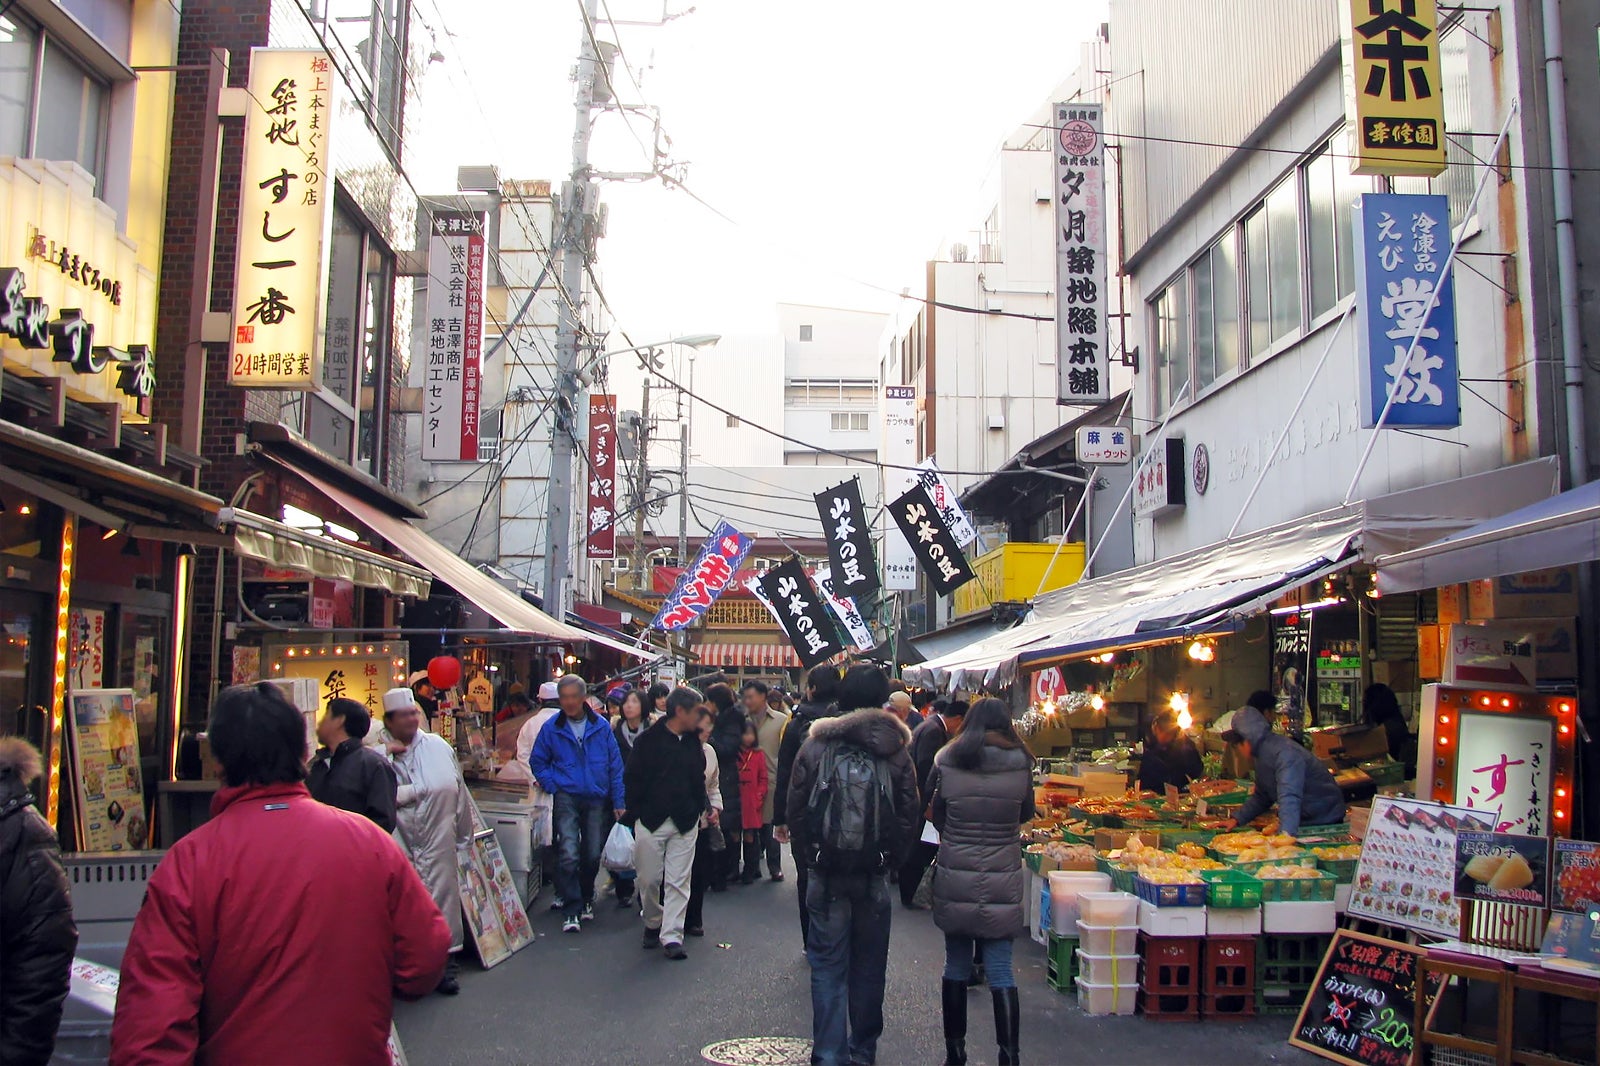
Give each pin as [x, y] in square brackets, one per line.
[900, 449]
[1083, 355]
[453, 341]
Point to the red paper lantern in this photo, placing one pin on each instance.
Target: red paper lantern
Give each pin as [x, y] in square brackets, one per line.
[444, 671]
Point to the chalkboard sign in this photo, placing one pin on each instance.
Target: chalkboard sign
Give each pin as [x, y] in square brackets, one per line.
[1363, 1006]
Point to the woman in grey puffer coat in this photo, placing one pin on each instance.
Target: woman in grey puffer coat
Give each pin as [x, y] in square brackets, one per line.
[982, 789]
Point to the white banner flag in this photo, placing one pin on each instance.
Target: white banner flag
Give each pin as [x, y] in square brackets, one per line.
[845, 608]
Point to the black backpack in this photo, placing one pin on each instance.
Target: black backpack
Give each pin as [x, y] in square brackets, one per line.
[850, 813]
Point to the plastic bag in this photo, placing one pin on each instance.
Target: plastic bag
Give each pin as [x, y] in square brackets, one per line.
[618, 854]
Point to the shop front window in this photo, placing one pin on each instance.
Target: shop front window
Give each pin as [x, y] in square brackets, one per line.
[51, 105]
[20, 666]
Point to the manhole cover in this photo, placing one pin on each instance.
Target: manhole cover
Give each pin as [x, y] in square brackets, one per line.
[759, 1051]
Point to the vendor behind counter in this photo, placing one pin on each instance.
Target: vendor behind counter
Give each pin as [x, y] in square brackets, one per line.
[1286, 775]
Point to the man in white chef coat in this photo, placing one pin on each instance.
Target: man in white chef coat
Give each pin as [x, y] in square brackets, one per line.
[433, 811]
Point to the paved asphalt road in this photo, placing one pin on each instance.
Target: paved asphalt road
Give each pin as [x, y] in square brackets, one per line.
[598, 998]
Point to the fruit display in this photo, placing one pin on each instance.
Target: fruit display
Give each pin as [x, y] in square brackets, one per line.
[1286, 873]
[1169, 875]
[1207, 789]
[1062, 852]
[1338, 852]
[1145, 859]
[1250, 846]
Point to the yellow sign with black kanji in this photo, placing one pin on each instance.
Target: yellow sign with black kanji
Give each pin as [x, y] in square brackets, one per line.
[1395, 95]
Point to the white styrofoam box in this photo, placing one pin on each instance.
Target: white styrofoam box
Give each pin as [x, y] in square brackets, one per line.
[1341, 898]
[1310, 916]
[1171, 921]
[1108, 969]
[1106, 999]
[1108, 908]
[1108, 939]
[1233, 921]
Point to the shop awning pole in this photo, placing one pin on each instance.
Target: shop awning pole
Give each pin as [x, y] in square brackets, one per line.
[1083, 501]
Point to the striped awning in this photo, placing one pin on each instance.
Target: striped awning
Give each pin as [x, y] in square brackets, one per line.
[773, 655]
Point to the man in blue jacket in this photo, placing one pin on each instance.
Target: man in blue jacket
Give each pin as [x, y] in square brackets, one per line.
[1286, 774]
[577, 761]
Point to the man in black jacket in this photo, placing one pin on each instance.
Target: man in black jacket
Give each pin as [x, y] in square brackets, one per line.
[346, 773]
[942, 723]
[847, 940]
[37, 933]
[822, 688]
[665, 785]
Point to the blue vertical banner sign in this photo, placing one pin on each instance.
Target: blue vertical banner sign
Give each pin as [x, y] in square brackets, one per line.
[1402, 242]
[699, 586]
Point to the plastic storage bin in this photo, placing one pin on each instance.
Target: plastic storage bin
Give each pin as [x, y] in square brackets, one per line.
[1298, 889]
[1108, 969]
[1231, 889]
[1065, 886]
[1341, 898]
[1171, 921]
[1108, 908]
[1191, 894]
[1233, 921]
[1108, 939]
[1107, 999]
[1314, 916]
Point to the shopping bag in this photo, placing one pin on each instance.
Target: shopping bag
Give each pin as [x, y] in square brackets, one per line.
[618, 854]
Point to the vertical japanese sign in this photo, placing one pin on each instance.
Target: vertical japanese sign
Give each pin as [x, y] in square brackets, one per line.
[845, 609]
[1394, 100]
[1503, 763]
[452, 381]
[699, 586]
[285, 210]
[900, 450]
[935, 546]
[849, 537]
[943, 495]
[1083, 357]
[801, 613]
[602, 517]
[1404, 294]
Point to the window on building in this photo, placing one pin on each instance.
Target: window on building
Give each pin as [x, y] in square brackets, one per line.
[850, 421]
[367, 38]
[52, 106]
[1331, 192]
[1272, 267]
[733, 421]
[1172, 342]
[1216, 312]
[805, 333]
[489, 422]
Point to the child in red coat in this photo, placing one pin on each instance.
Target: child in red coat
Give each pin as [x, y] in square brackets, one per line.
[752, 795]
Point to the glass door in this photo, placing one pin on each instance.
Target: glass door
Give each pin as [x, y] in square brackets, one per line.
[24, 654]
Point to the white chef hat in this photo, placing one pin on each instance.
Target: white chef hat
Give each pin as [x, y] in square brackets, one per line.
[398, 699]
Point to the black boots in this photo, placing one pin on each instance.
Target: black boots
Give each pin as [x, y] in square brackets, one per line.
[953, 997]
[1007, 1022]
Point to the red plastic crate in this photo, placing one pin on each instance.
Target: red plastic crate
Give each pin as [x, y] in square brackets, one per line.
[1170, 1006]
[1230, 966]
[1239, 1004]
[1171, 965]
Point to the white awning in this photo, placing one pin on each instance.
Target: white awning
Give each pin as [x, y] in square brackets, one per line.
[278, 544]
[1558, 531]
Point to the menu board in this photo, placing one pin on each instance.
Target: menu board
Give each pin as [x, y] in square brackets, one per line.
[110, 791]
[1503, 868]
[1575, 879]
[495, 914]
[1407, 872]
[1364, 1003]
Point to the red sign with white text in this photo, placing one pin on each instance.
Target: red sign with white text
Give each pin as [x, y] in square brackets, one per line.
[602, 509]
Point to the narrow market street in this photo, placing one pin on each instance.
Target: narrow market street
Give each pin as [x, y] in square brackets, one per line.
[597, 998]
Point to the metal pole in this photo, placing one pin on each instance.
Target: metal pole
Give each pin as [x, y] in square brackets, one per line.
[1566, 249]
[641, 483]
[575, 208]
[683, 495]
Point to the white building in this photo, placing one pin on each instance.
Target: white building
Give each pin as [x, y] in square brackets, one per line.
[830, 395]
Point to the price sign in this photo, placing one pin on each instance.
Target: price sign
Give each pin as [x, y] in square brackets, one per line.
[1363, 1005]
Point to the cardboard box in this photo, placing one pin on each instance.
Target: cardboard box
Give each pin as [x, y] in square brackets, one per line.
[1453, 604]
[1537, 594]
[1430, 651]
[1555, 647]
[1114, 839]
[1089, 784]
[1498, 656]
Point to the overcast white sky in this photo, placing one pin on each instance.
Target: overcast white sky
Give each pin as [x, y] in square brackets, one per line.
[848, 137]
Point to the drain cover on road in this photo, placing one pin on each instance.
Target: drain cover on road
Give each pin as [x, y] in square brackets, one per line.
[759, 1051]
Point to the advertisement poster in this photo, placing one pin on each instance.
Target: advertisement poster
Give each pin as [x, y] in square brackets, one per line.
[1504, 763]
[1572, 942]
[1575, 878]
[86, 648]
[356, 677]
[1364, 1002]
[110, 790]
[495, 914]
[1503, 868]
[246, 665]
[1407, 873]
[453, 374]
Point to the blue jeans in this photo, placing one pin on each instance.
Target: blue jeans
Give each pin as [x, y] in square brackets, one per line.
[580, 835]
[996, 960]
[847, 944]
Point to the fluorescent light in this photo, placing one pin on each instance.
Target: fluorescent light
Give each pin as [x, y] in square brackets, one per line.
[1312, 606]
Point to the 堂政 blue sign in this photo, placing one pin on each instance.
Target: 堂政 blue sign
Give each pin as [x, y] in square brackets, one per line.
[1402, 241]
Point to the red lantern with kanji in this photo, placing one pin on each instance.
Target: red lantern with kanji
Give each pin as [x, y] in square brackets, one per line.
[444, 671]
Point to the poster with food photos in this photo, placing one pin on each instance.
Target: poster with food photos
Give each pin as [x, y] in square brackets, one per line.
[495, 915]
[110, 790]
[1407, 872]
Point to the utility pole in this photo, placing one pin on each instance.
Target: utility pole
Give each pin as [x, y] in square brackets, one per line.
[683, 495]
[641, 483]
[576, 215]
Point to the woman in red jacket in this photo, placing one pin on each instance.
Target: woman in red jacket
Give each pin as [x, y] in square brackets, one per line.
[752, 794]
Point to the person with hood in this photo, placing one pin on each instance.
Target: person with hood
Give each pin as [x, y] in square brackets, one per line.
[1170, 758]
[433, 812]
[37, 933]
[727, 731]
[822, 686]
[1286, 774]
[981, 793]
[282, 929]
[847, 940]
[576, 760]
[346, 773]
